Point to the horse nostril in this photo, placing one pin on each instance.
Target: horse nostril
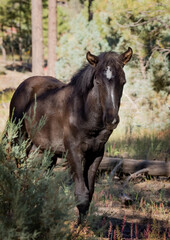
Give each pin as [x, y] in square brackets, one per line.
[111, 116]
[115, 120]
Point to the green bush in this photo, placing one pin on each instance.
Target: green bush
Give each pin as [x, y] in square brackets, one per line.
[34, 203]
[160, 73]
[75, 44]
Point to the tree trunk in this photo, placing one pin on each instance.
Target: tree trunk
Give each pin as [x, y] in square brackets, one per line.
[3, 53]
[20, 49]
[52, 36]
[129, 166]
[90, 13]
[37, 38]
[142, 67]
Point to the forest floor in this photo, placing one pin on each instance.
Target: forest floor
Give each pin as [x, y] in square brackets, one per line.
[147, 217]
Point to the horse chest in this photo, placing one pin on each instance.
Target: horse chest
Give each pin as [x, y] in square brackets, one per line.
[95, 142]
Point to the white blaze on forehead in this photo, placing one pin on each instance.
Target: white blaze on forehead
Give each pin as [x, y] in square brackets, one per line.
[108, 73]
[113, 99]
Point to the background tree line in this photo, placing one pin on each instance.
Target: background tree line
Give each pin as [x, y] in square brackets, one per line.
[95, 25]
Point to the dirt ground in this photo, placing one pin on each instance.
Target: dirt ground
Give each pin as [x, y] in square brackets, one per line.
[151, 198]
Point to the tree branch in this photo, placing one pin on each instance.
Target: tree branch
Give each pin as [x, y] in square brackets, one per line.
[135, 175]
[115, 169]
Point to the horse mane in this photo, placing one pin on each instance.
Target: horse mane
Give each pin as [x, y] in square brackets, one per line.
[82, 80]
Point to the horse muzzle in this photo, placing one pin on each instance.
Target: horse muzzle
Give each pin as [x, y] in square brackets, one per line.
[111, 118]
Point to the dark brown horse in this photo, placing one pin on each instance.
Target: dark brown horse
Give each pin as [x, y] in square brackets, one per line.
[80, 117]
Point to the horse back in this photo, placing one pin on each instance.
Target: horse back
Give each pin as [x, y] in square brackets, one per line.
[26, 92]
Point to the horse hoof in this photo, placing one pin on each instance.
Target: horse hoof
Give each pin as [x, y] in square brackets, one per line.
[81, 219]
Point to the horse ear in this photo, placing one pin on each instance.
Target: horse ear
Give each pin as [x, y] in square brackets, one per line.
[92, 59]
[126, 56]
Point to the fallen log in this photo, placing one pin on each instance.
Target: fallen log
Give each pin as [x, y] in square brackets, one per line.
[129, 166]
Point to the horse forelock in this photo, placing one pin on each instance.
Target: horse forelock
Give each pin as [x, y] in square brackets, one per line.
[106, 57]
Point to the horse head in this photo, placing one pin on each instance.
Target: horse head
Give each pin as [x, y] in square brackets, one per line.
[109, 79]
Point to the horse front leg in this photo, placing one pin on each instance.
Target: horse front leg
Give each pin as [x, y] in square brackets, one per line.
[92, 173]
[75, 159]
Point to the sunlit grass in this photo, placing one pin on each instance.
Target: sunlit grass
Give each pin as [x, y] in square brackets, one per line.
[140, 144]
[5, 96]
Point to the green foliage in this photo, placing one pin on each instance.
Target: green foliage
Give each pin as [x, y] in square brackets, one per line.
[63, 22]
[5, 96]
[160, 74]
[34, 203]
[17, 14]
[75, 44]
[15, 24]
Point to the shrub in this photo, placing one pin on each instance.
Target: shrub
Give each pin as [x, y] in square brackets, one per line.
[160, 73]
[34, 203]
